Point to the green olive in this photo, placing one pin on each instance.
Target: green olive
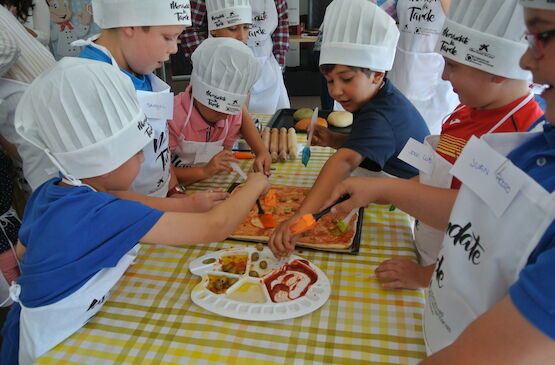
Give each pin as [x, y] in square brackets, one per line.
[255, 256]
[286, 210]
[209, 261]
[282, 199]
[259, 247]
[334, 220]
[263, 265]
[295, 198]
[254, 274]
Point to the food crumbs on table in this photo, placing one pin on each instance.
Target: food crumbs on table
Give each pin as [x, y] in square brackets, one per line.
[254, 274]
[255, 256]
[259, 247]
[209, 261]
[263, 265]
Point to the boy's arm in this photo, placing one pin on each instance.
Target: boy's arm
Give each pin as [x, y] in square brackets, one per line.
[250, 134]
[215, 225]
[338, 167]
[183, 203]
[19, 250]
[428, 204]
[218, 163]
[500, 336]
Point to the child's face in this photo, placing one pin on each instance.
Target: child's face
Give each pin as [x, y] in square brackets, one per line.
[474, 87]
[351, 88]
[541, 65]
[122, 177]
[239, 32]
[210, 115]
[147, 50]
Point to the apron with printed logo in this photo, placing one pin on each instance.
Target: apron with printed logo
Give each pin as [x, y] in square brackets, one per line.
[191, 153]
[420, 24]
[268, 94]
[42, 328]
[435, 171]
[154, 176]
[498, 219]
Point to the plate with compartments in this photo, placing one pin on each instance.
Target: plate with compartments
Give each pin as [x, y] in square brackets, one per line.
[250, 283]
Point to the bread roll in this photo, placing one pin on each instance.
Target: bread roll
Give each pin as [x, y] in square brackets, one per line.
[340, 119]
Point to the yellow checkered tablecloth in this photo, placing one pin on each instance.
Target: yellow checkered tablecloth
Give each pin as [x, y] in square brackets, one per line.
[150, 318]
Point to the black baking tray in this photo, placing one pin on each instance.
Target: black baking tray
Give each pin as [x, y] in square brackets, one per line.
[284, 118]
[353, 249]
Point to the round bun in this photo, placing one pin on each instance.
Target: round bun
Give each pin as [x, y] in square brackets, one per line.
[340, 119]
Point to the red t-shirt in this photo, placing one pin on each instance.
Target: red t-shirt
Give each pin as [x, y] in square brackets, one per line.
[468, 122]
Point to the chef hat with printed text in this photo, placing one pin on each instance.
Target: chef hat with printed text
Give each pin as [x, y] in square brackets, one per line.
[539, 4]
[226, 13]
[224, 70]
[358, 33]
[85, 116]
[487, 35]
[128, 13]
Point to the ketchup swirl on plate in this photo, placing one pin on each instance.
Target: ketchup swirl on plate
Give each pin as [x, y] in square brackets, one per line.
[291, 281]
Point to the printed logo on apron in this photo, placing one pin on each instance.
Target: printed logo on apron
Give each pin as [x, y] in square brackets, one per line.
[268, 93]
[485, 247]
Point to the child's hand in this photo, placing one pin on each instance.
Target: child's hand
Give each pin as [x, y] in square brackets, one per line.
[402, 273]
[322, 136]
[282, 241]
[259, 179]
[262, 163]
[363, 191]
[205, 200]
[220, 162]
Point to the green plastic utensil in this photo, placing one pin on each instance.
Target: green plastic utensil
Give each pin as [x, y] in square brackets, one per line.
[306, 150]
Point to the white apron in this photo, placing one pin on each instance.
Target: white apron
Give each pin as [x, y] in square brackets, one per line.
[268, 94]
[191, 153]
[154, 176]
[417, 68]
[42, 328]
[498, 219]
[435, 171]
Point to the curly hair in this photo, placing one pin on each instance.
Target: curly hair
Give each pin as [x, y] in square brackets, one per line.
[22, 8]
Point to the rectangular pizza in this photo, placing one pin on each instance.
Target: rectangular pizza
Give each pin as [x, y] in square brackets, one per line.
[325, 235]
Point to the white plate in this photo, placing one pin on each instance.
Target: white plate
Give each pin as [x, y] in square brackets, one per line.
[221, 304]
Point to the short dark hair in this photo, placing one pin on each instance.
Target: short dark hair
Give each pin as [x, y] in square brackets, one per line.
[327, 68]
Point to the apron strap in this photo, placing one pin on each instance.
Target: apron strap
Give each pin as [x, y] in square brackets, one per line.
[515, 109]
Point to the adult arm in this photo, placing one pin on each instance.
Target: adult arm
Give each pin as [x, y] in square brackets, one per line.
[500, 336]
[280, 36]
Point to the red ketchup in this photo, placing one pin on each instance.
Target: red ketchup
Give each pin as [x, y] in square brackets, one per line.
[286, 286]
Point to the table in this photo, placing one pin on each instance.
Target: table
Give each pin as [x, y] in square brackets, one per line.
[150, 317]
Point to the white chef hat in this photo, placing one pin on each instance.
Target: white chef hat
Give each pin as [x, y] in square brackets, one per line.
[224, 70]
[358, 33]
[9, 51]
[85, 115]
[539, 4]
[225, 13]
[128, 13]
[487, 35]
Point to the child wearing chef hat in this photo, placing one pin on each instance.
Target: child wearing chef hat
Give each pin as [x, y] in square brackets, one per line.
[491, 297]
[139, 36]
[232, 19]
[78, 240]
[481, 43]
[208, 114]
[358, 48]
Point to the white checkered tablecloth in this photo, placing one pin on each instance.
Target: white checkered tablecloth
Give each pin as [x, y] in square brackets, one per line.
[150, 317]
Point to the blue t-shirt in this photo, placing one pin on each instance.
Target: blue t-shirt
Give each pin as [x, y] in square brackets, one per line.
[534, 292]
[382, 127]
[70, 233]
[141, 82]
